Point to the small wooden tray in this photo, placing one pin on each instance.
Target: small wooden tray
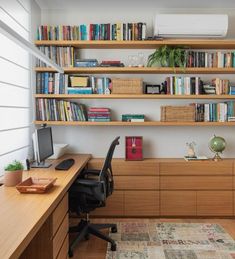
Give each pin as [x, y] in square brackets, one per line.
[36, 185]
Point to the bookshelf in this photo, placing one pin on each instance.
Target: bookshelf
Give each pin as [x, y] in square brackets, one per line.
[191, 43]
[124, 123]
[140, 70]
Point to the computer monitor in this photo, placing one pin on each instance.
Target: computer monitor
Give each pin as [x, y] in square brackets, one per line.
[43, 147]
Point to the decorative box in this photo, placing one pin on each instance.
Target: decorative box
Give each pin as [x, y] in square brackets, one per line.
[134, 148]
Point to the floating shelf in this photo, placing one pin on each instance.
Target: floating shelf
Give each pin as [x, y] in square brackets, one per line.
[101, 44]
[132, 96]
[140, 70]
[122, 123]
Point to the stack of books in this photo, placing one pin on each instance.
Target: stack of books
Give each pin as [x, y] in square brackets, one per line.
[107, 31]
[232, 90]
[111, 63]
[86, 62]
[218, 59]
[63, 56]
[51, 83]
[99, 114]
[59, 110]
[133, 117]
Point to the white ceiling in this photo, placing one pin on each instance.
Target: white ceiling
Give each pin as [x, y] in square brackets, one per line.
[69, 4]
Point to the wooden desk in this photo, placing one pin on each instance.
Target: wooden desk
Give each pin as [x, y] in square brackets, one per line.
[27, 218]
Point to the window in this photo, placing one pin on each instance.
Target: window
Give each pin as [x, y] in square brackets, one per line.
[15, 116]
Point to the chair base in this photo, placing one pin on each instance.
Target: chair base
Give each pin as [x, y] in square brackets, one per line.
[85, 228]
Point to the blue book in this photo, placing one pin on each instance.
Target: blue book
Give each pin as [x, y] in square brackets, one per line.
[46, 82]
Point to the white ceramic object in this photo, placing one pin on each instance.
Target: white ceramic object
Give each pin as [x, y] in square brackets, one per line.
[12, 178]
[59, 150]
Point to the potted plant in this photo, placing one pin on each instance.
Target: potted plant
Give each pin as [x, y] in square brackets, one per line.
[167, 56]
[13, 173]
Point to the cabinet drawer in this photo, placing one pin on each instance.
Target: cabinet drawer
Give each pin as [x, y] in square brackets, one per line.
[59, 213]
[63, 253]
[196, 182]
[136, 182]
[214, 203]
[141, 203]
[114, 205]
[197, 168]
[122, 167]
[60, 236]
[178, 203]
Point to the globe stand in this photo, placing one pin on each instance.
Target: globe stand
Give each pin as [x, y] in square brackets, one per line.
[217, 157]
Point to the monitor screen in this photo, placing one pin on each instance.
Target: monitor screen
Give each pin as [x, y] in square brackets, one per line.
[45, 143]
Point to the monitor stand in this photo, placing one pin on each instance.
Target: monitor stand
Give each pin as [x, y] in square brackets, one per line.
[43, 164]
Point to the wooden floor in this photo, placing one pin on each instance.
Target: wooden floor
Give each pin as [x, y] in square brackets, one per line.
[96, 248]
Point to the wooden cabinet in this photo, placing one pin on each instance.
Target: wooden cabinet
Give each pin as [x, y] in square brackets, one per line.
[214, 203]
[141, 203]
[170, 187]
[178, 203]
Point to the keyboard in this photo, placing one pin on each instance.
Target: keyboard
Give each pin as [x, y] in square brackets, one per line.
[65, 164]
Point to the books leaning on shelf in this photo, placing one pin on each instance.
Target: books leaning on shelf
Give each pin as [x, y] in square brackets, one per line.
[55, 83]
[184, 85]
[63, 56]
[59, 110]
[107, 31]
[133, 117]
[218, 59]
[99, 114]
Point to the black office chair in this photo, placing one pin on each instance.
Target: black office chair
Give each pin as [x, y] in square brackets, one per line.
[89, 192]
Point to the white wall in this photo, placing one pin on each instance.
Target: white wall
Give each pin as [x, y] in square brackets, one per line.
[158, 141]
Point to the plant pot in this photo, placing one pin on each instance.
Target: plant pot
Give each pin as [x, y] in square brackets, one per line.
[12, 178]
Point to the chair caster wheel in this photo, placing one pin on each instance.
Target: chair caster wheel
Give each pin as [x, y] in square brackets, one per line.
[70, 253]
[87, 237]
[113, 247]
[114, 229]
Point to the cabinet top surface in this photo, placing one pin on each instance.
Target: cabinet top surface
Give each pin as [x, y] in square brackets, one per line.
[22, 215]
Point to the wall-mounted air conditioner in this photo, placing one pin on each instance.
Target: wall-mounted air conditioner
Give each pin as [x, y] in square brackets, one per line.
[191, 25]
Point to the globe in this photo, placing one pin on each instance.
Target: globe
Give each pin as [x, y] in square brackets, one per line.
[217, 145]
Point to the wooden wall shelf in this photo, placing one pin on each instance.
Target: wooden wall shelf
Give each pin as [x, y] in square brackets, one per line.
[192, 43]
[133, 96]
[140, 70]
[122, 123]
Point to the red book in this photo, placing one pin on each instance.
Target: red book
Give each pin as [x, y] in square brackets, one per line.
[94, 109]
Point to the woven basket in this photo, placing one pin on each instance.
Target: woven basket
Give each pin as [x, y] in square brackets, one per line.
[127, 86]
[178, 113]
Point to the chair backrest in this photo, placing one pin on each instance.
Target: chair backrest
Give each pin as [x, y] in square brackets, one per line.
[106, 172]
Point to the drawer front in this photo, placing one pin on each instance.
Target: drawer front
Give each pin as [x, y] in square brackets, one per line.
[196, 183]
[136, 182]
[60, 236]
[197, 168]
[122, 167]
[141, 203]
[214, 203]
[114, 205]
[63, 253]
[178, 203]
[59, 213]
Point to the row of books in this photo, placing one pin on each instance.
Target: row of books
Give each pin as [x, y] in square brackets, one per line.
[63, 56]
[215, 112]
[99, 114]
[59, 110]
[178, 85]
[56, 83]
[218, 59]
[107, 31]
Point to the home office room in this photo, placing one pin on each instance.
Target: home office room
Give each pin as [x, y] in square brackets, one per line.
[117, 129]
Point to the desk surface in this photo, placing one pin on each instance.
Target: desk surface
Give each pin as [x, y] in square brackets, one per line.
[22, 215]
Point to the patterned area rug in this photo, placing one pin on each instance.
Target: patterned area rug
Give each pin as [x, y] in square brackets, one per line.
[171, 241]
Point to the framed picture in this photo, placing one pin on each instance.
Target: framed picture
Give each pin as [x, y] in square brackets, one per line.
[134, 148]
[152, 89]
